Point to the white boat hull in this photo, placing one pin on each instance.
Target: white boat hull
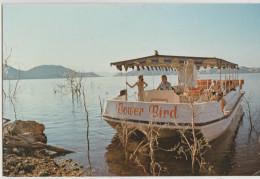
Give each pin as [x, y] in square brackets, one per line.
[167, 118]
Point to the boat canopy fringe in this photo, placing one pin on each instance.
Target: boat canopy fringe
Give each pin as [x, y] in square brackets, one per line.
[167, 63]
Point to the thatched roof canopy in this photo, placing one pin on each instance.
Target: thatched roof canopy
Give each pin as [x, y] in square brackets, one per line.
[166, 62]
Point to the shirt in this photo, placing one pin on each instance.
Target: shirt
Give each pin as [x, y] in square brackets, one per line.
[214, 87]
[166, 86]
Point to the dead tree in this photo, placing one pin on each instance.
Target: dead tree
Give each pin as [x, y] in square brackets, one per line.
[194, 145]
[75, 85]
[22, 142]
[250, 113]
[124, 133]
[151, 145]
[12, 88]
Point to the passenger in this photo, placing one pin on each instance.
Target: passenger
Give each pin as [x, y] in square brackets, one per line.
[217, 97]
[164, 85]
[140, 85]
[213, 89]
[230, 86]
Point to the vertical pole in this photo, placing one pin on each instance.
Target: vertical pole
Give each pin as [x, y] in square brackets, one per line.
[179, 84]
[220, 78]
[126, 85]
[232, 73]
[236, 73]
[153, 79]
[229, 78]
[170, 75]
[233, 76]
[237, 77]
[178, 78]
[225, 77]
[239, 83]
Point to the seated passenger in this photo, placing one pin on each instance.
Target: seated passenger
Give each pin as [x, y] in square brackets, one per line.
[178, 90]
[164, 85]
[230, 86]
[213, 89]
[217, 97]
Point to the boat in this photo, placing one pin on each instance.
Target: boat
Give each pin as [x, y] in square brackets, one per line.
[187, 105]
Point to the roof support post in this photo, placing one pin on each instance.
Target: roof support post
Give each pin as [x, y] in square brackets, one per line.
[229, 78]
[178, 78]
[225, 77]
[126, 85]
[232, 73]
[220, 78]
[153, 79]
[170, 76]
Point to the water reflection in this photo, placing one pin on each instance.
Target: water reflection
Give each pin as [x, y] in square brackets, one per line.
[221, 155]
[116, 162]
[224, 148]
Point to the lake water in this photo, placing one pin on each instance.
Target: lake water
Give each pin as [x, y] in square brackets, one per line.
[65, 123]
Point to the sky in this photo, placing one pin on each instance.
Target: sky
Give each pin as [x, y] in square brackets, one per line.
[88, 37]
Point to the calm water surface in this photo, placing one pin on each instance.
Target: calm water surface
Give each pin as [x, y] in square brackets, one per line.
[235, 153]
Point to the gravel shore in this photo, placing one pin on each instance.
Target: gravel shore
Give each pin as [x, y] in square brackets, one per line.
[22, 160]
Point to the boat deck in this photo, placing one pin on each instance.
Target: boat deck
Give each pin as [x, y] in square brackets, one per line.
[179, 95]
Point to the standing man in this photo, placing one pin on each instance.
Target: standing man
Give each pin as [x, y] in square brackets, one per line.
[164, 85]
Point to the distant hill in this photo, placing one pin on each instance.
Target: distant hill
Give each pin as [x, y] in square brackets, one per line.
[53, 71]
[248, 70]
[101, 73]
[241, 69]
[145, 72]
[43, 72]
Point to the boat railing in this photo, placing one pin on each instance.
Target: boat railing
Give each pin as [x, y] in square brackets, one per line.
[181, 95]
[120, 98]
[167, 96]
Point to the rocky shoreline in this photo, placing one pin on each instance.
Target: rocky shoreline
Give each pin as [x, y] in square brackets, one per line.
[25, 153]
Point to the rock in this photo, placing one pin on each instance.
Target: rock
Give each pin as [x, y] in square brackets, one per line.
[68, 160]
[15, 150]
[43, 173]
[6, 171]
[41, 138]
[19, 166]
[75, 168]
[29, 167]
[257, 173]
[31, 130]
[41, 152]
[21, 172]
[16, 172]
[11, 161]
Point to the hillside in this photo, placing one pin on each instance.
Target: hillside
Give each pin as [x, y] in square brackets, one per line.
[42, 72]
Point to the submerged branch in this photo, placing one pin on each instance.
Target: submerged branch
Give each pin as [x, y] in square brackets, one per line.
[19, 141]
